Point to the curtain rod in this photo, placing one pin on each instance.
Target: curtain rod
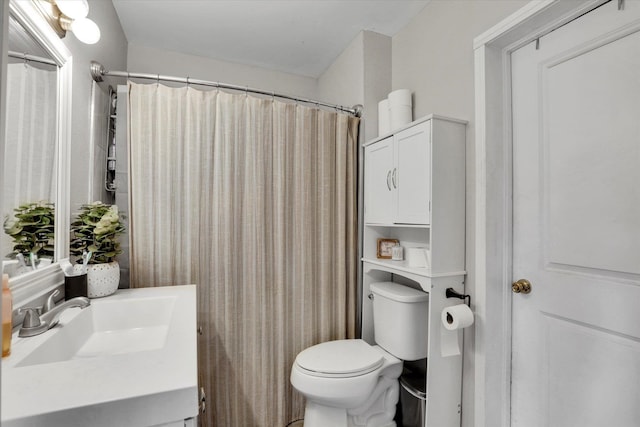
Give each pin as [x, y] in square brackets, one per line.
[31, 58]
[98, 72]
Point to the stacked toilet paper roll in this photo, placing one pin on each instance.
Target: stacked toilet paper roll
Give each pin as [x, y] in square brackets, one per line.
[383, 117]
[399, 108]
[395, 111]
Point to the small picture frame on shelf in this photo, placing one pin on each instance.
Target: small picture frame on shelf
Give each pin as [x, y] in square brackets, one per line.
[384, 248]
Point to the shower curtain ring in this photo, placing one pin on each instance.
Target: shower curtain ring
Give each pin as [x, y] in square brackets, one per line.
[187, 82]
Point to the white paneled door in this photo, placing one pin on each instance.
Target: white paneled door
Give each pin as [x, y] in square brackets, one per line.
[576, 223]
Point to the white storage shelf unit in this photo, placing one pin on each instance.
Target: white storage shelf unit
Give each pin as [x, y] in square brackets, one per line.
[414, 191]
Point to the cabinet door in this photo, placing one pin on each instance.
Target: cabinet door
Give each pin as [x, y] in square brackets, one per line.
[411, 177]
[378, 165]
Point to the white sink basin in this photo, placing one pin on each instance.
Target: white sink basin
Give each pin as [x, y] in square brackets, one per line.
[107, 328]
[127, 359]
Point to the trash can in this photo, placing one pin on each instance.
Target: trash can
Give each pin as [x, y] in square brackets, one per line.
[413, 398]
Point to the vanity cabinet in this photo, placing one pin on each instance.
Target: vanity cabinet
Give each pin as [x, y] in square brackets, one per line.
[414, 191]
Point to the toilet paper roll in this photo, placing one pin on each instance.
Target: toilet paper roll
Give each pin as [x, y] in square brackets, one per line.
[400, 116]
[400, 97]
[457, 317]
[400, 108]
[383, 117]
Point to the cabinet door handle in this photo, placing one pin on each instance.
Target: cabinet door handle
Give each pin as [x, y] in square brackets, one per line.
[388, 177]
[393, 177]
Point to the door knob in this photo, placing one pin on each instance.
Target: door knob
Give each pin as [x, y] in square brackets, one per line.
[522, 286]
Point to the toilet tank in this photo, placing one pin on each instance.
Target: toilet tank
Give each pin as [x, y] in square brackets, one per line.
[400, 319]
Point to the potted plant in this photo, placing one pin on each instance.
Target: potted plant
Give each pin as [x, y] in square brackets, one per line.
[96, 231]
[32, 230]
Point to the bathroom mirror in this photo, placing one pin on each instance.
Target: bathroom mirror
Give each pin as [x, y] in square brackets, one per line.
[35, 152]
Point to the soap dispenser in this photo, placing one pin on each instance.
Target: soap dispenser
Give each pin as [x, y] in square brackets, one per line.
[7, 311]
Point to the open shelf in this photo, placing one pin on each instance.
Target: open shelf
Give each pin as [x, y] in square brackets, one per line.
[402, 267]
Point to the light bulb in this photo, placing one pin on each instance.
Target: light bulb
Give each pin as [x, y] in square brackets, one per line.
[74, 9]
[86, 30]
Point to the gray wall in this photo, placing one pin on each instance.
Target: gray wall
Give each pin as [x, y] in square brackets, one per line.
[88, 144]
[4, 37]
[433, 56]
[156, 61]
[360, 75]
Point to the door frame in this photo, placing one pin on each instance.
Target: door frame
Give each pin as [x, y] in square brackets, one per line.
[493, 197]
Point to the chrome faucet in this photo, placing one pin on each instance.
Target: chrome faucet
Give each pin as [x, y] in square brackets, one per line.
[35, 324]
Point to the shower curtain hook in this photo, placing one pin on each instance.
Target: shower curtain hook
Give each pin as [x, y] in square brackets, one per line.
[187, 82]
[24, 58]
[246, 91]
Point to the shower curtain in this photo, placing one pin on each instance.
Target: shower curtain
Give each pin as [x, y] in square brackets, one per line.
[29, 156]
[254, 201]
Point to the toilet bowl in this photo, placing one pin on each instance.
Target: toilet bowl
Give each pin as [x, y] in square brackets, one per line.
[350, 383]
[347, 383]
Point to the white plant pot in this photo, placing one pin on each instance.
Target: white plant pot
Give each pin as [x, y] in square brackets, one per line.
[102, 279]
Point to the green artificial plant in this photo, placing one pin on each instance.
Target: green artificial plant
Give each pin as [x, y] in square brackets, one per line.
[96, 230]
[32, 229]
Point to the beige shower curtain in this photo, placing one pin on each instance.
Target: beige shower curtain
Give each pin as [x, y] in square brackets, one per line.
[30, 138]
[253, 200]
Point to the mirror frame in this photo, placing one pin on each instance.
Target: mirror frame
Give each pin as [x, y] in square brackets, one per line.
[34, 285]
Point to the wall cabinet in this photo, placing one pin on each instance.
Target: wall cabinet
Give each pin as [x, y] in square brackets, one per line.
[379, 194]
[397, 177]
[414, 191]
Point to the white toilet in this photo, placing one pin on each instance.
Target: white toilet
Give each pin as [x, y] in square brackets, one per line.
[350, 383]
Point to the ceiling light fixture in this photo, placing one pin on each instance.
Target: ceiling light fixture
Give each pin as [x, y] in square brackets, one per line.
[70, 15]
[74, 9]
[84, 29]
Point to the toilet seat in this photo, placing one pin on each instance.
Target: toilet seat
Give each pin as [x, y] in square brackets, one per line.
[340, 359]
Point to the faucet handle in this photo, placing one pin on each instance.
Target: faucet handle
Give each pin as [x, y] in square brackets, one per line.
[50, 303]
[31, 317]
[31, 325]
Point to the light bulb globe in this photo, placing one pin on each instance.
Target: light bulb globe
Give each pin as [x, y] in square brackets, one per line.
[74, 9]
[86, 30]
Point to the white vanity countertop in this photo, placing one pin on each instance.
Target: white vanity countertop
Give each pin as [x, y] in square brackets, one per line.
[141, 388]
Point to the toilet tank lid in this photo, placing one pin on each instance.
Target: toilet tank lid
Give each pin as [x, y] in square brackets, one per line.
[398, 292]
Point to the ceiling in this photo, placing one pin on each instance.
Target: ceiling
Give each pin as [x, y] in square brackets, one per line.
[301, 37]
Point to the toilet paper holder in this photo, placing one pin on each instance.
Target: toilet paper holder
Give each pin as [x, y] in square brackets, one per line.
[452, 293]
